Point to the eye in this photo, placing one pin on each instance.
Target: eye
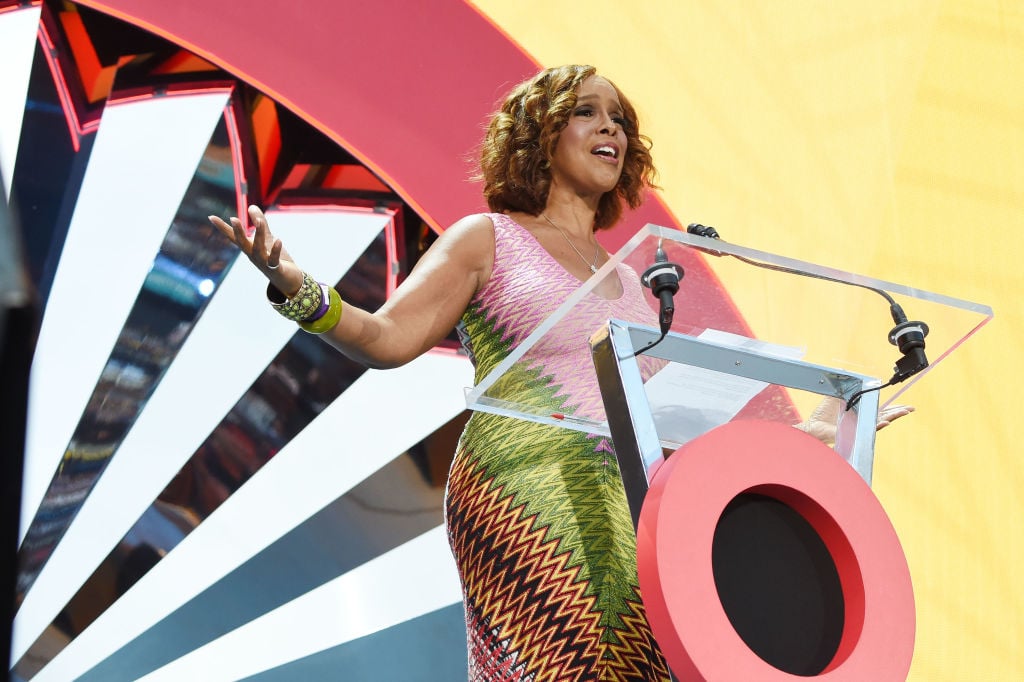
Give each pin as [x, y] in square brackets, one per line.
[584, 111]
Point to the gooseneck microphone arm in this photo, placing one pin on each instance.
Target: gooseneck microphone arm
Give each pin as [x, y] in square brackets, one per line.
[907, 335]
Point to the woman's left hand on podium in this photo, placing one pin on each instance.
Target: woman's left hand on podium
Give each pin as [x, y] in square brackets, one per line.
[822, 422]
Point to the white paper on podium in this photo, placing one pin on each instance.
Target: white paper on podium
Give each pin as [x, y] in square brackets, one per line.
[687, 401]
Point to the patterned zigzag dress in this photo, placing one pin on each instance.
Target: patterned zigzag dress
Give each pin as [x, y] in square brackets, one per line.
[537, 516]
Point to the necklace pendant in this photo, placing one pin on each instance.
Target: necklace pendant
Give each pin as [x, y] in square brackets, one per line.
[597, 247]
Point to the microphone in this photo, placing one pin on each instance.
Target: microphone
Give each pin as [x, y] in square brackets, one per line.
[908, 336]
[662, 278]
[702, 230]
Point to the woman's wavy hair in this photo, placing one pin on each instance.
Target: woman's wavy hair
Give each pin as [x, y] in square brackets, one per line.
[515, 158]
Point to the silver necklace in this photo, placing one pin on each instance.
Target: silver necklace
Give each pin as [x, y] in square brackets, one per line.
[597, 248]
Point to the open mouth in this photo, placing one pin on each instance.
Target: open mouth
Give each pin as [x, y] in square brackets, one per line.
[607, 151]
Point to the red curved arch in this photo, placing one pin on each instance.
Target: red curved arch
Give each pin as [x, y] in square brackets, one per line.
[405, 87]
[388, 80]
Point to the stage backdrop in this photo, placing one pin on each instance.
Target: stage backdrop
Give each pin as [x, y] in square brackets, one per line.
[885, 138]
[878, 137]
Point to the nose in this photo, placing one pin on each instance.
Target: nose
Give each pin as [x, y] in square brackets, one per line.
[608, 125]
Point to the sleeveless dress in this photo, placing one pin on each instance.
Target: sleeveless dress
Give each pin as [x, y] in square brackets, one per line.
[536, 515]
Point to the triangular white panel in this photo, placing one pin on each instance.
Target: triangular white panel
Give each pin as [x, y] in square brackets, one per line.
[301, 479]
[144, 158]
[231, 345]
[18, 30]
[379, 594]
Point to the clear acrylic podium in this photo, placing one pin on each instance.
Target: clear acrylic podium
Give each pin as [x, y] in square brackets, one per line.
[754, 336]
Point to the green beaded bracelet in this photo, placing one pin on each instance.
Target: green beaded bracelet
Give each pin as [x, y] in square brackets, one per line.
[304, 304]
[328, 320]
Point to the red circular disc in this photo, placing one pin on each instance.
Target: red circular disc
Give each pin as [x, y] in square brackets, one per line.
[677, 525]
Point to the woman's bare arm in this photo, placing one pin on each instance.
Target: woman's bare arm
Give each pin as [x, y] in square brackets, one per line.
[421, 312]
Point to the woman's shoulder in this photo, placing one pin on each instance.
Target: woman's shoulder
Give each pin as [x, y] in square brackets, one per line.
[470, 241]
[487, 228]
[476, 227]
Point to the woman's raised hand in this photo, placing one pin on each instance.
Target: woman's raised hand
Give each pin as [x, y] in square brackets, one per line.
[265, 251]
[822, 422]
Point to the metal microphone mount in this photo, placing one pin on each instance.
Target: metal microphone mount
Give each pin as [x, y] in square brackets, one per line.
[662, 278]
[908, 336]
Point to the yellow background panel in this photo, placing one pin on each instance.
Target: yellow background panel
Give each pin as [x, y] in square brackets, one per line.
[884, 138]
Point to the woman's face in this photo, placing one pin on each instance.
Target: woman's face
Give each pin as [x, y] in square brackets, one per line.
[590, 150]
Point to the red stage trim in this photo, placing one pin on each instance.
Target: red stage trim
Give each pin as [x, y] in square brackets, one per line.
[677, 527]
[404, 87]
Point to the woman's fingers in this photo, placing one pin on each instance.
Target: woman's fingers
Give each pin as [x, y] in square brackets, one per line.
[266, 248]
[891, 413]
[256, 215]
[259, 245]
[237, 233]
[261, 234]
[225, 229]
[274, 259]
[822, 422]
[259, 239]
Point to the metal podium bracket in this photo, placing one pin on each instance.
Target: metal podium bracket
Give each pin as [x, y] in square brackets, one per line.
[631, 424]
